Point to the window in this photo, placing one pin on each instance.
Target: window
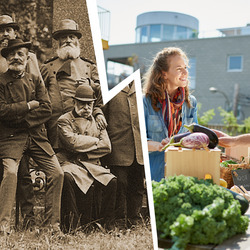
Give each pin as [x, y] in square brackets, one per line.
[192, 72]
[116, 72]
[181, 32]
[168, 32]
[234, 63]
[144, 34]
[155, 33]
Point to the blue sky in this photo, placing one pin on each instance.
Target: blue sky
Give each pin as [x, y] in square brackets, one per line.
[212, 14]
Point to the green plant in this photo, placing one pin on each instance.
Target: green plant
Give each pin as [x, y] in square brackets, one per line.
[206, 117]
[196, 211]
[229, 120]
[245, 127]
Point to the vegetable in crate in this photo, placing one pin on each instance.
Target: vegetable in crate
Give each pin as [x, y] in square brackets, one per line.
[195, 211]
[176, 138]
[213, 139]
[193, 140]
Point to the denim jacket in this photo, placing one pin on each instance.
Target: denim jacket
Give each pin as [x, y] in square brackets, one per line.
[156, 131]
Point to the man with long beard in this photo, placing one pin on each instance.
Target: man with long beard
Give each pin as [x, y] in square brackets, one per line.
[64, 73]
[24, 108]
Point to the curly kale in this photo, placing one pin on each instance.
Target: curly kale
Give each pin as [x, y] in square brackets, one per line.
[195, 211]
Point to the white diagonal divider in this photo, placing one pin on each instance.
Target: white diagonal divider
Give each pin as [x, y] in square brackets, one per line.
[109, 94]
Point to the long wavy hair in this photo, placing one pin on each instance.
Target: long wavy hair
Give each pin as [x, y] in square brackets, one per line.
[154, 82]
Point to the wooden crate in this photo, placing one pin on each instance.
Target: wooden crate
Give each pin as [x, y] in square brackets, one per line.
[191, 162]
[237, 152]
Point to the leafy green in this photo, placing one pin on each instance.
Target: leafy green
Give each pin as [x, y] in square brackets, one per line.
[195, 211]
[225, 163]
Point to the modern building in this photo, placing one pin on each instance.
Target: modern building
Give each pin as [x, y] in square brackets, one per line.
[221, 62]
[165, 26]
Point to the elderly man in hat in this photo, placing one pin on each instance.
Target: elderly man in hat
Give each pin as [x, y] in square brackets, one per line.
[64, 73]
[82, 143]
[24, 108]
[9, 30]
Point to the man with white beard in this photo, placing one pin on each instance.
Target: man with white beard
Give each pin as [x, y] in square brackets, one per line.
[64, 73]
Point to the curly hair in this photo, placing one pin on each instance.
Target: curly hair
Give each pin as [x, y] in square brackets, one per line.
[154, 82]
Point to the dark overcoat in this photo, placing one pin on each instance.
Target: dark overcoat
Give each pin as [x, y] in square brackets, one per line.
[17, 122]
[123, 129]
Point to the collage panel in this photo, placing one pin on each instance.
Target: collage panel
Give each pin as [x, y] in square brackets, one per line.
[77, 161]
[124, 125]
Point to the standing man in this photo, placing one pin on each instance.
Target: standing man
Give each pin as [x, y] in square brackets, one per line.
[64, 73]
[24, 108]
[82, 144]
[125, 159]
[9, 30]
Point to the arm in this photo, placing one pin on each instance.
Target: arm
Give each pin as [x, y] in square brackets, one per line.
[231, 141]
[157, 146]
[42, 113]
[97, 112]
[194, 109]
[103, 146]
[152, 144]
[77, 143]
[11, 111]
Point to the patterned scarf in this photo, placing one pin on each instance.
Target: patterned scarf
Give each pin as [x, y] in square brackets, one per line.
[171, 111]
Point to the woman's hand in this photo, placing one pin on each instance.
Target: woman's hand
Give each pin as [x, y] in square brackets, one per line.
[157, 146]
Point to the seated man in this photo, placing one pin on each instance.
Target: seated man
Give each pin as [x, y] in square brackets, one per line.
[81, 144]
[24, 108]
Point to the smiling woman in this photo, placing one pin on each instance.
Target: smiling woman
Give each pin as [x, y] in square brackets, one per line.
[167, 104]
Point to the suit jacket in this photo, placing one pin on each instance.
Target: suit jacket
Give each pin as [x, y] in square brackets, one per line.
[17, 122]
[123, 129]
[81, 145]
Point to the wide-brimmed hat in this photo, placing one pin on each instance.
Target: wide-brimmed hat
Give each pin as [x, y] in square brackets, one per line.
[67, 26]
[84, 93]
[14, 44]
[7, 21]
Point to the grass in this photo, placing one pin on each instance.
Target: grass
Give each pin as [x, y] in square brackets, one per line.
[137, 237]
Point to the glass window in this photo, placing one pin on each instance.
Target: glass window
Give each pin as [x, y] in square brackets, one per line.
[116, 72]
[181, 32]
[192, 72]
[168, 32]
[155, 33]
[144, 34]
[234, 63]
[138, 35]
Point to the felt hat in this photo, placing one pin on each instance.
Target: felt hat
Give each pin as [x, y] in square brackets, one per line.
[84, 93]
[7, 21]
[14, 44]
[67, 26]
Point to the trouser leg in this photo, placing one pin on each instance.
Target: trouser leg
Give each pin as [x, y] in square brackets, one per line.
[135, 190]
[25, 189]
[7, 192]
[85, 204]
[54, 174]
[108, 201]
[76, 206]
[70, 215]
[121, 194]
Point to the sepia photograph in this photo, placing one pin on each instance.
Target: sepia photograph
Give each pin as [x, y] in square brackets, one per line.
[124, 124]
[72, 168]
